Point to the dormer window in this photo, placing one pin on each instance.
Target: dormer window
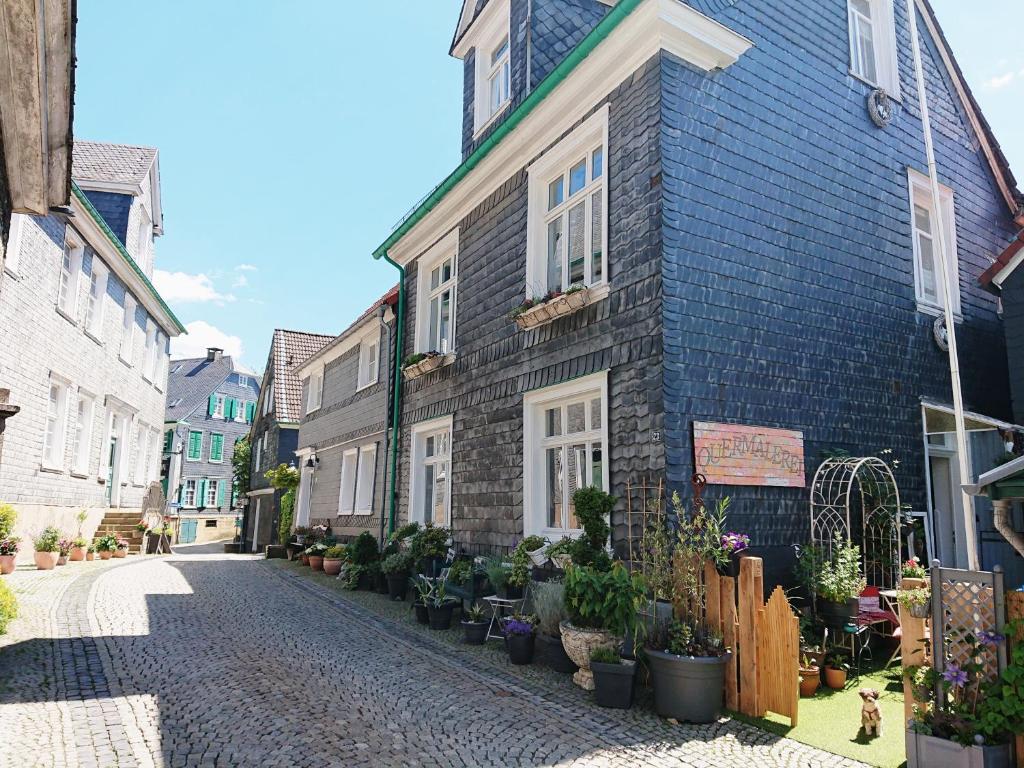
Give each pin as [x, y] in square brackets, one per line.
[498, 79]
[491, 40]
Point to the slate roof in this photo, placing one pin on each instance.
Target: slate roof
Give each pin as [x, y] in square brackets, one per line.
[192, 384]
[288, 351]
[102, 161]
[391, 297]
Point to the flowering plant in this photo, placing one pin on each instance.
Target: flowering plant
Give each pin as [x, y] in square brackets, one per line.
[141, 526]
[733, 542]
[9, 546]
[520, 625]
[912, 569]
[64, 547]
[909, 597]
[123, 544]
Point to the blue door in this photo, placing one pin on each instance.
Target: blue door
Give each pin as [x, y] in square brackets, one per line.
[187, 532]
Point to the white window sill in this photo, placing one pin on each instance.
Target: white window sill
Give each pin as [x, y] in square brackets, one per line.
[492, 119]
[926, 308]
[11, 273]
[51, 470]
[366, 386]
[126, 362]
[216, 461]
[80, 474]
[146, 379]
[94, 337]
[67, 316]
[363, 512]
[893, 94]
[345, 513]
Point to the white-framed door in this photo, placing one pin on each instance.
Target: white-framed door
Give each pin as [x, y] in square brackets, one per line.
[302, 503]
[256, 523]
[948, 536]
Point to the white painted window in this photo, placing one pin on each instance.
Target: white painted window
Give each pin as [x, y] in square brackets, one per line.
[55, 434]
[127, 351]
[437, 278]
[368, 359]
[241, 408]
[188, 493]
[314, 391]
[149, 361]
[218, 406]
[924, 226]
[364, 482]
[154, 455]
[84, 417]
[142, 243]
[97, 299]
[430, 486]
[141, 451]
[268, 400]
[70, 270]
[493, 75]
[243, 381]
[347, 489]
[162, 361]
[15, 237]
[567, 217]
[873, 43]
[565, 446]
[212, 488]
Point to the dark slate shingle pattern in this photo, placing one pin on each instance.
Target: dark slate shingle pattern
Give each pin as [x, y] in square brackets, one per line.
[102, 161]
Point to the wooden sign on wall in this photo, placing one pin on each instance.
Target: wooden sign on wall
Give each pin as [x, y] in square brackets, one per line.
[735, 454]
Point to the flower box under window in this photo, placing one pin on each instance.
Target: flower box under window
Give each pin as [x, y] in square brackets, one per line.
[559, 305]
[430, 362]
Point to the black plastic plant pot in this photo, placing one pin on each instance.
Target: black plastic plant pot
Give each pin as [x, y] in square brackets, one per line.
[398, 585]
[365, 582]
[520, 648]
[552, 654]
[688, 688]
[476, 632]
[380, 584]
[422, 617]
[440, 616]
[838, 615]
[613, 684]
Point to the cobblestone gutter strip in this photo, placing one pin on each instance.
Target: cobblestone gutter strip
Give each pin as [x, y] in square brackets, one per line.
[728, 742]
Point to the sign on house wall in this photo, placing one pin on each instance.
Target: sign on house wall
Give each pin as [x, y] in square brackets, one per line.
[735, 454]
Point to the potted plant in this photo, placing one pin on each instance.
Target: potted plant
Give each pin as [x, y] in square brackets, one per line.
[535, 548]
[519, 638]
[917, 601]
[424, 589]
[78, 547]
[439, 607]
[810, 677]
[474, 625]
[518, 575]
[429, 545]
[836, 670]
[121, 548]
[687, 658]
[47, 548]
[560, 552]
[301, 532]
[90, 552]
[838, 582]
[333, 558]
[396, 568]
[548, 600]
[63, 550]
[106, 546]
[364, 553]
[497, 571]
[613, 678]
[8, 554]
[141, 527]
[315, 555]
[912, 569]
[8, 516]
[734, 546]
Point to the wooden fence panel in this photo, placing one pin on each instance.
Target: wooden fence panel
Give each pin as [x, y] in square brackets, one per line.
[713, 598]
[728, 613]
[778, 657]
[913, 646]
[751, 597]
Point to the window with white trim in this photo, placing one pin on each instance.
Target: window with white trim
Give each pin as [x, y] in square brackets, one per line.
[314, 391]
[365, 474]
[493, 65]
[141, 451]
[149, 361]
[218, 406]
[188, 493]
[268, 400]
[567, 217]
[96, 301]
[82, 447]
[127, 351]
[926, 244]
[437, 279]
[55, 433]
[243, 381]
[162, 361]
[565, 448]
[430, 489]
[212, 489]
[368, 359]
[347, 488]
[154, 455]
[70, 270]
[873, 43]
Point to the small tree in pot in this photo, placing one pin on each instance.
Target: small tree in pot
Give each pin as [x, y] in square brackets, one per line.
[429, 546]
[47, 548]
[835, 579]
[613, 678]
[396, 568]
[520, 632]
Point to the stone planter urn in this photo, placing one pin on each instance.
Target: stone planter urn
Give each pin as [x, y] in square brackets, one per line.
[579, 644]
[46, 561]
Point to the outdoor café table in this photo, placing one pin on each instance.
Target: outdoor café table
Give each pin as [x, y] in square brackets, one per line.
[498, 606]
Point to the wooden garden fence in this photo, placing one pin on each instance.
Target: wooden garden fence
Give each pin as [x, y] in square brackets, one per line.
[763, 673]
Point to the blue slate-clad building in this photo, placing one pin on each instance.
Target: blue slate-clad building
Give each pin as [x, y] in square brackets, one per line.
[731, 236]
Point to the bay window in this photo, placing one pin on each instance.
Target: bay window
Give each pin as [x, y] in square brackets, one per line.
[430, 486]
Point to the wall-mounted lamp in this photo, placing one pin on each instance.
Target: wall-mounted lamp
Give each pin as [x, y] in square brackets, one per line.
[313, 461]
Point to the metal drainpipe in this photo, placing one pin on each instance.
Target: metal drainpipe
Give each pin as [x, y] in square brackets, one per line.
[396, 409]
[387, 420]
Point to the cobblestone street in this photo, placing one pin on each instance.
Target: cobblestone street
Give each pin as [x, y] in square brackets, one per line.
[213, 660]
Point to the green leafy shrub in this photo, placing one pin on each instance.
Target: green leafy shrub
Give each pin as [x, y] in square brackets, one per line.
[48, 540]
[8, 607]
[8, 517]
[284, 526]
[430, 541]
[461, 572]
[337, 552]
[599, 599]
[363, 549]
[106, 543]
[593, 510]
[397, 563]
[605, 655]
[840, 579]
[549, 605]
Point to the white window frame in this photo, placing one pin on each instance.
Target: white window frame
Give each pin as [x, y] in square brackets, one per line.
[81, 451]
[445, 249]
[155, 437]
[149, 357]
[268, 400]
[162, 361]
[348, 481]
[69, 274]
[218, 408]
[492, 30]
[12, 256]
[315, 391]
[127, 349]
[212, 489]
[591, 135]
[186, 490]
[142, 241]
[55, 434]
[258, 453]
[367, 464]
[140, 470]
[883, 33]
[369, 359]
[419, 461]
[243, 380]
[920, 194]
[535, 443]
[96, 300]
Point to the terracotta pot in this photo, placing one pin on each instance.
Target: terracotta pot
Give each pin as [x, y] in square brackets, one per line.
[106, 554]
[46, 561]
[835, 678]
[120, 553]
[810, 679]
[6, 564]
[90, 555]
[62, 559]
[316, 562]
[579, 644]
[304, 558]
[332, 565]
[77, 554]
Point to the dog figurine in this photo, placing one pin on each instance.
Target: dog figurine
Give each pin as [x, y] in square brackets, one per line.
[870, 712]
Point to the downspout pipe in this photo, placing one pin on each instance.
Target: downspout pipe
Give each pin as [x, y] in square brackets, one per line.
[387, 420]
[396, 404]
[1001, 522]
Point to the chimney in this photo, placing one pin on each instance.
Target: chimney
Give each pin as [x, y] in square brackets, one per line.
[213, 353]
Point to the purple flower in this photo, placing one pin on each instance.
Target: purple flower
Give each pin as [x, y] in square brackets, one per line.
[735, 542]
[991, 639]
[955, 675]
[518, 627]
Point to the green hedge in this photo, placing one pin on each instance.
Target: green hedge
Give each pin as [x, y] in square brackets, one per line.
[8, 607]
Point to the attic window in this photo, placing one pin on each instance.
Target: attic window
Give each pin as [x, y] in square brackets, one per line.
[493, 80]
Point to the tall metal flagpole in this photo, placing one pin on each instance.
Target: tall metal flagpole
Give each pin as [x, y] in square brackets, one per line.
[947, 293]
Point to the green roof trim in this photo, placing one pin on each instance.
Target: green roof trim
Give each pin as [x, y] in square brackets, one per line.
[597, 35]
[98, 218]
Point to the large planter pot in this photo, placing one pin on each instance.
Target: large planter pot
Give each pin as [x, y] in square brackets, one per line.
[332, 565]
[440, 616]
[304, 558]
[579, 644]
[613, 684]
[120, 553]
[520, 648]
[7, 564]
[77, 554]
[838, 615]
[810, 679]
[62, 559]
[106, 554]
[316, 562]
[365, 582]
[90, 556]
[398, 585]
[816, 658]
[475, 632]
[152, 544]
[422, 617]
[539, 556]
[835, 678]
[380, 584]
[551, 653]
[932, 752]
[688, 688]
[46, 561]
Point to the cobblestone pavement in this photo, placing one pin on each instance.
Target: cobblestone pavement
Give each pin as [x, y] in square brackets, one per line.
[215, 660]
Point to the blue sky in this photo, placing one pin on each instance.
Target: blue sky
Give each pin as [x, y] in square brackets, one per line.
[292, 137]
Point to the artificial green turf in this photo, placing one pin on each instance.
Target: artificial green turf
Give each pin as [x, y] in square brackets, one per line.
[831, 720]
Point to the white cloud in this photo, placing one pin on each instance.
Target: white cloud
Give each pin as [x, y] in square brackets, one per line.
[1001, 81]
[181, 287]
[241, 281]
[202, 335]
[246, 268]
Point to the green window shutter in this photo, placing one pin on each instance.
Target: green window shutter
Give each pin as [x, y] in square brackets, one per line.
[250, 411]
[195, 445]
[168, 440]
[220, 493]
[212, 405]
[201, 501]
[216, 447]
[229, 408]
